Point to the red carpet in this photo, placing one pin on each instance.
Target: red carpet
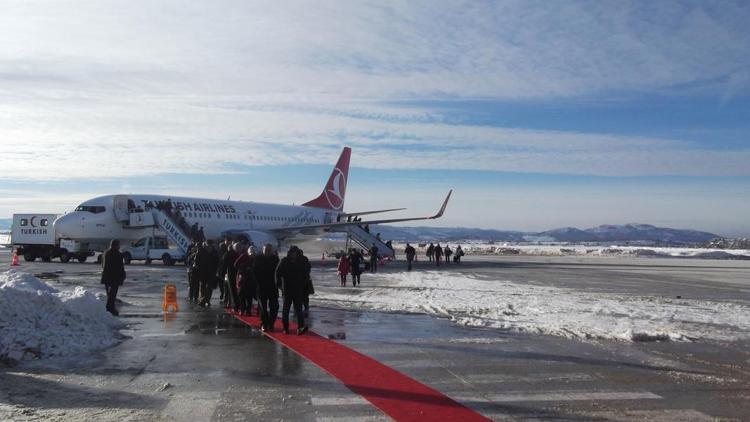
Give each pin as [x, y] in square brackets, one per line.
[397, 395]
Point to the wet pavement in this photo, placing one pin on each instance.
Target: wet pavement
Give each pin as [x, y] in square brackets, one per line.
[202, 364]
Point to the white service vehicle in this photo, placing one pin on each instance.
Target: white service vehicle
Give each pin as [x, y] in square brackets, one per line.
[34, 236]
[152, 248]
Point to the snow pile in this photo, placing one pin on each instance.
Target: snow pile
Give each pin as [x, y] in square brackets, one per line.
[583, 250]
[472, 301]
[38, 321]
[4, 239]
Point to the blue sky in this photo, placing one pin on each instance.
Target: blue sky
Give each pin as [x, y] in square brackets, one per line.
[537, 114]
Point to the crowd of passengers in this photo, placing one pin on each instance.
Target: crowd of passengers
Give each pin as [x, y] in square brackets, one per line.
[244, 276]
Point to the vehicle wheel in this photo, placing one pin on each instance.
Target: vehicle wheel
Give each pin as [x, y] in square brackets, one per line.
[167, 259]
[99, 259]
[82, 259]
[29, 256]
[46, 258]
[64, 257]
[126, 258]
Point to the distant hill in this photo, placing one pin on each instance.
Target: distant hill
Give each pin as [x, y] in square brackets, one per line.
[635, 233]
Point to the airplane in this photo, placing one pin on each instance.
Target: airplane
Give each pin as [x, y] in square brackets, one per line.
[98, 220]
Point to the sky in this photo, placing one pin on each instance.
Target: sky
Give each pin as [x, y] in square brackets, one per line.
[537, 114]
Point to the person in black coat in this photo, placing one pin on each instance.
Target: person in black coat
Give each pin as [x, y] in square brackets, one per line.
[292, 276]
[355, 266]
[231, 296]
[221, 269]
[113, 274]
[438, 254]
[208, 262]
[410, 253]
[268, 294]
[373, 258]
[309, 289]
[247, 285]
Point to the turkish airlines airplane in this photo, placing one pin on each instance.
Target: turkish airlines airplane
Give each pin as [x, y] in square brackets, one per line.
[101, 219]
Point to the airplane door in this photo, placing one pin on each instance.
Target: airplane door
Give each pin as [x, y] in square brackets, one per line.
[120, 207]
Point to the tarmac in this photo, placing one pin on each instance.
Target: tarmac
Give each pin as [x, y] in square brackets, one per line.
[203, 364]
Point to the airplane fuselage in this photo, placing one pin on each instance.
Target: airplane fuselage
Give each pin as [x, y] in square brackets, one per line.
[96, 221]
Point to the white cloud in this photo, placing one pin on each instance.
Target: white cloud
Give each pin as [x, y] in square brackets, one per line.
[144, 136]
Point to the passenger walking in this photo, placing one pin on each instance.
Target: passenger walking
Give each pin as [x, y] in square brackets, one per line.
[208, 262]
[343, 268]
[232, 298]
[355, 266]
[246, 283]
[194, 272]
[268, 294]
[410, 253]
[221, 269]
[309, 288]
[292, 276]
[373, 258]
[430, 252]
[438, 254]
[113, 274]
[447, 252]
[459, 254]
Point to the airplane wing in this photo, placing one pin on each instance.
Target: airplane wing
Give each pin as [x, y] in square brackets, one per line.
[286, 231]
[346, 214]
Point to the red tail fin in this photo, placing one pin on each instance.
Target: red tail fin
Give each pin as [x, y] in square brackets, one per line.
[332, 197]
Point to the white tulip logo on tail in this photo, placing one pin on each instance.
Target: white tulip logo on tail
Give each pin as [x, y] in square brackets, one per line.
[335, 195]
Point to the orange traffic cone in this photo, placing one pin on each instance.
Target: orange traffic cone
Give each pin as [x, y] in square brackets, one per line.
[14, 260]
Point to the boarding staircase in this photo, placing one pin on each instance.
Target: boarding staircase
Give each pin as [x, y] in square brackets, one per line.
[171, 229]
[365, 240]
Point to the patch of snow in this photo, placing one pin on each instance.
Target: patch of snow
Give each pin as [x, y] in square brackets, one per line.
[476, 302]
[612, 250]
[38, 321]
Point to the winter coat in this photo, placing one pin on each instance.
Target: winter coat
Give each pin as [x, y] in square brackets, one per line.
[265, 271]
[410, 253]
[431, 250]
[373, 253]
[293, 277]
[113, 268]
[355, 262]
[438, 251]
[245, 273]
[343, 267]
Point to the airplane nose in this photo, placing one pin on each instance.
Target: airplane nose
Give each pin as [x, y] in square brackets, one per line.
[69, 226]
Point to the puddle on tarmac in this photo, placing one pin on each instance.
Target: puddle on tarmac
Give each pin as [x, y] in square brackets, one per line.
[49, 275]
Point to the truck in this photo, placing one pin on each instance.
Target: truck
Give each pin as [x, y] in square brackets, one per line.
[152, 248]
[33, 236]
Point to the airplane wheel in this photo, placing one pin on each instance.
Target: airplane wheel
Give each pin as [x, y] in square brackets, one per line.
[126, 258]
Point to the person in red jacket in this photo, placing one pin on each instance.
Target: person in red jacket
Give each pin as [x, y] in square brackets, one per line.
[343, 268]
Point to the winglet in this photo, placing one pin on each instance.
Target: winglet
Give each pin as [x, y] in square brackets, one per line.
[445, 204]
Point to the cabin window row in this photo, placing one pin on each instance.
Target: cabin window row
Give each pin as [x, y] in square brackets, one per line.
[252, 217]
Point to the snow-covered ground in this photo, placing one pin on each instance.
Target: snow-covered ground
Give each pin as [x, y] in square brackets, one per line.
[4, 239]
[471, 301]
[613, 250]
[38, 320]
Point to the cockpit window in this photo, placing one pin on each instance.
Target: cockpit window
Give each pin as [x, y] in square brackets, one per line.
[94, 209]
